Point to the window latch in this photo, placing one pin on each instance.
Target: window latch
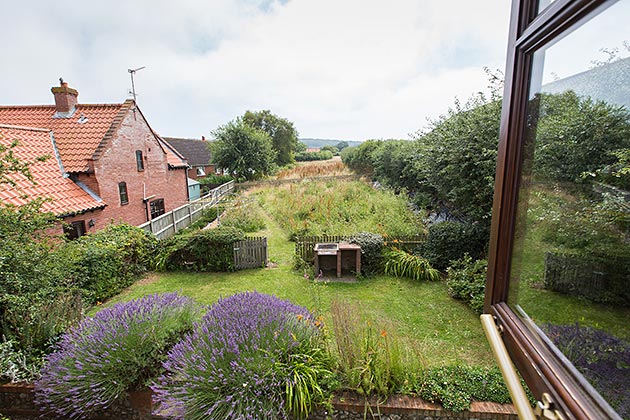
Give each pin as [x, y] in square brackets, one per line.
[545, 409]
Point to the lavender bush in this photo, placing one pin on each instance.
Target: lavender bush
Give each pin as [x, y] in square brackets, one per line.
[117, 350]
[601, 357]
[252, 356]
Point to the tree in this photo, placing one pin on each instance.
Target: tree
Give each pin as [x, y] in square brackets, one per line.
[283, 134]
[342, 145]
[243, 150]
[331, 149]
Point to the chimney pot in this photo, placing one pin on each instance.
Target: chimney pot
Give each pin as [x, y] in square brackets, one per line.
[203, 138]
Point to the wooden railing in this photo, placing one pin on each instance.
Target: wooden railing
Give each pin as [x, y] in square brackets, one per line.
[172, 222]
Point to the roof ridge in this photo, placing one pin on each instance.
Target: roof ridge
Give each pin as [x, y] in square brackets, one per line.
[21, 127]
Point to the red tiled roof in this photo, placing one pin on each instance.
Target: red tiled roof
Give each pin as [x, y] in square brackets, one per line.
[77, 137]
[66, 196]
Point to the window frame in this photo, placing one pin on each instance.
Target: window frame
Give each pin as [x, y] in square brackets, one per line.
[159, 204]
[122, 186]
[71, 232]
[544, 370]
[139, 161]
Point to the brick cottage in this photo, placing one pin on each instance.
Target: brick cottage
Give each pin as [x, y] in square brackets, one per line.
[106, 163]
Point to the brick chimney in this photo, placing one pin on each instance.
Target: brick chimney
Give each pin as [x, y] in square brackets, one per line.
[65, 99]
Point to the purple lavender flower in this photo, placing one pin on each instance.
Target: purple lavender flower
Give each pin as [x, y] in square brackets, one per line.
[236, 362]
[117, 350]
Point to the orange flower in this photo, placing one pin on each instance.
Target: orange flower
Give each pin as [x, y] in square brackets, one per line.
[383, 333]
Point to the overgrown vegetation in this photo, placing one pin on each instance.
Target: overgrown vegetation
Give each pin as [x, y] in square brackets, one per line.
[200, 250]
[313, 156]
[263, 358]
[243, 214]
[314, 170]
[339, 208]
[120, 349]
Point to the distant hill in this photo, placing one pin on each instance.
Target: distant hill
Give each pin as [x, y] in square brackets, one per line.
[319, 143]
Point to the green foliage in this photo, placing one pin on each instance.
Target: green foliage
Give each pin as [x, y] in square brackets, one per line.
[577, 135]
[455, 387]
[244, 215]
[448, 241]
[243, 150]
[204, 250]
[312, 156]
[211, 181]
[399, 263]
[371, 251]
[369, 359]
[333, 207]
[342, 145]
[616, 173]
[103, 263]
[283, 134]
[208, 216]
[15, 366]
[467, 281]
[360, 158]
[10, 164]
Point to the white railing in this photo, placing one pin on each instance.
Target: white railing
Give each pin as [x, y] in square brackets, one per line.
[170, 223]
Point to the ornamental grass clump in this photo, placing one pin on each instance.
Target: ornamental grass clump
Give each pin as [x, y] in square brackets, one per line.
[252, 356]
[120, 349]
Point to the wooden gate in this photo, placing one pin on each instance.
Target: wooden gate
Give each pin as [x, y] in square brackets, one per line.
[250, 253]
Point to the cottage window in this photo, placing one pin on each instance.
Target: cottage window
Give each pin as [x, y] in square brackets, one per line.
[139, 161]
[559, 260]
[157, 208]
[200, 171]
[74, 230]
[122, 192]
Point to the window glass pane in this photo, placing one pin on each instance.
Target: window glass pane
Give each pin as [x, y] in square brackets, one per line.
[139, 162]
[570, 275]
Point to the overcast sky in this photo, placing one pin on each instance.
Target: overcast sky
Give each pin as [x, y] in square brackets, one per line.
[341, 69]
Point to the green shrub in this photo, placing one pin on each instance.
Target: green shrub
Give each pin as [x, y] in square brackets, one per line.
[371, 251]
[207, 216]
[449, 241]
[467, 281]
[120, 349]
[204, 250]
[15, 366]
[455, 387]
[103, 263]
[399, 263]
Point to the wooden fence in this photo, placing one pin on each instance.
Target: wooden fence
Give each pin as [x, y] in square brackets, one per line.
[172, 222]
[304, 245]
[602, 280]
[250, 253]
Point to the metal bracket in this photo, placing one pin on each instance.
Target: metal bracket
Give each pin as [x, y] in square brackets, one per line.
[545, 409]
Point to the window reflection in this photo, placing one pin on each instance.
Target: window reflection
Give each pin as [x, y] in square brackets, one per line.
[571, 260]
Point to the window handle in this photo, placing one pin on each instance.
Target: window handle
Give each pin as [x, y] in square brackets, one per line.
[544, 409]
[519, 398]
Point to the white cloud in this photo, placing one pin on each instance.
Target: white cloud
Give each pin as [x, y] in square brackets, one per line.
[347, 69]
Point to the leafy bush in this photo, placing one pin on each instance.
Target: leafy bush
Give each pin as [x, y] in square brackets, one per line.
[455, 387]
[204, 250]
[15, 366]
[449, 241]
[601, 357]
[369, 360]
[117, 350]
[399, 263]
[312, 156]
[371, 251]
[467, 281]
[214, 180]
[246, 216]
[251, 356]
[102, 263]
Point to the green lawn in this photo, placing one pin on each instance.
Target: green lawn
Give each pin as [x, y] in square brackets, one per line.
[428, 322]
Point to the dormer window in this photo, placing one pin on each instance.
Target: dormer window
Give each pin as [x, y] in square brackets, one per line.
[139, 161]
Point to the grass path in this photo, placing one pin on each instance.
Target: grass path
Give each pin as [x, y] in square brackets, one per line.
[428, 322]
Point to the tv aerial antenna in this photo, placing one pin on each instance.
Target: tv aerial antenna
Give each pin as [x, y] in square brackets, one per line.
[133, 86]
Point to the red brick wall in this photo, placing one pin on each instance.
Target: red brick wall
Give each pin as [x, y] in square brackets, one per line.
[118, 164]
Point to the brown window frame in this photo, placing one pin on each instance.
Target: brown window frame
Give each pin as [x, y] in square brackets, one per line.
[544, 370]
[123, 193]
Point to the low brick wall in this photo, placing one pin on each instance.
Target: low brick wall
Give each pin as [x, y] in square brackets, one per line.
[17, 403]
